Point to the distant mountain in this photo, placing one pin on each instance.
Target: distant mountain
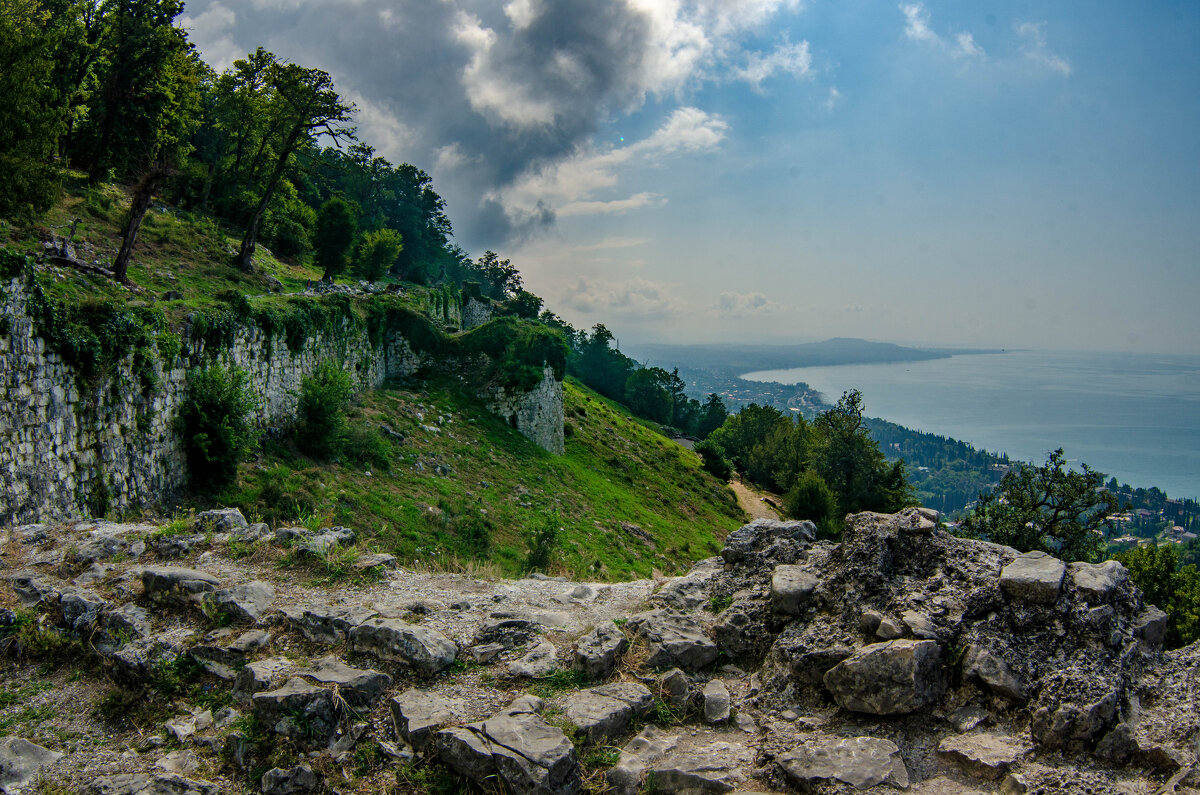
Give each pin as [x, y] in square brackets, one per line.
[748, 358]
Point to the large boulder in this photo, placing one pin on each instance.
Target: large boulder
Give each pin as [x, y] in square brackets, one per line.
[417, 714]
[605, 711]
[242, 604]
[220, 520]
[791, 589]
[889, 678]
[517, 747]
[703, 767]
[538, 662]
[300, 711]
[1098, 582]
[861, 762]
[359, 687]
[325, 623]
[674, 639]
[425, 650]
[596, 653]
[1034, 577]
[172, 584]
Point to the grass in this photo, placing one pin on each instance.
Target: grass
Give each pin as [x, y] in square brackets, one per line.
[470, 492]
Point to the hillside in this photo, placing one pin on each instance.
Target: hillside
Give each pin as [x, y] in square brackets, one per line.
[457, 487]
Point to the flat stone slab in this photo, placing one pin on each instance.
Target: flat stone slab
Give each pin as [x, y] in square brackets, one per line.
[651, 745]
[985, 754]
[425, 650]
[605, 711]
[596, 654]
[674, 639]
[890, 678]
[1034, 577]
[701, 767]
[20, 761]
[1097, 582]
[861, 762]
[359, 687]
[417, 714]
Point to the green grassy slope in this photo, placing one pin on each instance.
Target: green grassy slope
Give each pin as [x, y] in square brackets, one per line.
[443, 492]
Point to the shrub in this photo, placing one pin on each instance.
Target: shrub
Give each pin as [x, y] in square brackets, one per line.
[324, 397]
[712, 458]
[215, 424]
[543, 543]
[811, 498]
[377, 253]
[1173, 588]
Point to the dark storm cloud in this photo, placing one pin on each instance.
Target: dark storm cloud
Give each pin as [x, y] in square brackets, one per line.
[506, 94]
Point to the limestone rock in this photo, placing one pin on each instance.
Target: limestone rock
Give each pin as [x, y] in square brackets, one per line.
[889, 678]
[221, 520]
[167, 583]
[1097, 582]
[597, 652]
[674, 639]
[508, 629]
[541, 660]
[716, 702]
[158, 784]
[651, 745]
[704, 768]
[515, 745]
[298, 710]
[993, 672]
[691, 590]
[605, 711]
[1150, 627]
[20, 761]
[675, 688]
[791, 589]
[425, 650]
[298, 779]
[261, 675]
[417, 714]
[325, 624]
[985, 754]
[484, 653]
[1033, 577]
[861, 762]
[360, 688]
[244, 604]
[80, 608]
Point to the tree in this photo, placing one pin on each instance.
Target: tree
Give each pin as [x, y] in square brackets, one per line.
[811, 498]
[321, 412]
[712, 415]
[32, 116]
[645, 395]
[336, 227]
[1168, 585]
[850, 462]
[214, 420]
[713, 460]
[303, 105]
[501, 278]
[378, 253]
[1049, 508]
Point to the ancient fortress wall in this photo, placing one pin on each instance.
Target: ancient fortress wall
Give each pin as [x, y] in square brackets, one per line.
[71, 449]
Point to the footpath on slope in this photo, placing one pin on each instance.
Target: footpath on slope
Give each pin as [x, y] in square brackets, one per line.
[752, 502]
[224, 659]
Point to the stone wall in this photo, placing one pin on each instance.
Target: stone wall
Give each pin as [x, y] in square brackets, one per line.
[70, 449]
[537, 413]
[475, 313]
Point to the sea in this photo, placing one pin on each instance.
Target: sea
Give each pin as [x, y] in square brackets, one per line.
[1135, 417]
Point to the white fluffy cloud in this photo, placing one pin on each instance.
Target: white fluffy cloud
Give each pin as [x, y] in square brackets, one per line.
[732, 304]
[638, 298]
[961, 45]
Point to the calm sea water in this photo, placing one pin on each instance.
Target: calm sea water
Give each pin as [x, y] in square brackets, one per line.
[1132, 416]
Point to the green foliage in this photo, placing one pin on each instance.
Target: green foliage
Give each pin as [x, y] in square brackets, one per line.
[337, 225]
[811, 498]
[1049, 508]
[850, 463]
[517, 352]
[321, 414]
[377, 253]
[712, 458]
[32, 114]
[215, 423]
[543, 542]
[1173, 588]
[646, 398]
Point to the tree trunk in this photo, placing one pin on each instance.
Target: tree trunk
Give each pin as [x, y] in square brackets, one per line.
[245, 258]
[143, 194]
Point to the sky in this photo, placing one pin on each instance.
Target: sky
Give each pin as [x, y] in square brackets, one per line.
[1016, 174]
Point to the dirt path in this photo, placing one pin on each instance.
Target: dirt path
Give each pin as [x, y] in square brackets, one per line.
[751, 501]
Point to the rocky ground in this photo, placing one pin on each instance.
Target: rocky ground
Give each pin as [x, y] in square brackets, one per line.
[229, 657]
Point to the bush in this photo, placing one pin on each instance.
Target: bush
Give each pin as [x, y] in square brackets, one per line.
[811, 498]
[324, 397]
[1173, 588]
[215, 423]
[712, 458]
[543, 543]
[377, 253]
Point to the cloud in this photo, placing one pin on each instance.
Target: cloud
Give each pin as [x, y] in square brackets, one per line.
[961, 45]
[615, 206]
[631, 298]
[733, 304]
[833, 99]
[492, 95]
[571, 185]
[787, 58]
[1035, 49]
